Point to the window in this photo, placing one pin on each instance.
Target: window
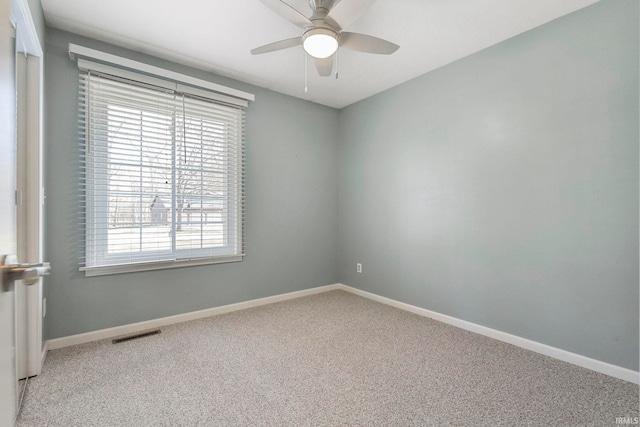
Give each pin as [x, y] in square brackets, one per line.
[161, 173]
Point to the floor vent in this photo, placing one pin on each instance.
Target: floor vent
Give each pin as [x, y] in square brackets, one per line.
[136, 336]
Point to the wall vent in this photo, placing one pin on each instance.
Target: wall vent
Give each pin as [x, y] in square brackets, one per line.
[136, 336]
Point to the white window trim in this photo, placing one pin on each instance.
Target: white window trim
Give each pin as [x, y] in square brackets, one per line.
[156, 265]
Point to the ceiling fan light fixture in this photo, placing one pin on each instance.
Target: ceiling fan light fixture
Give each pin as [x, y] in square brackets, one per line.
[320, 42]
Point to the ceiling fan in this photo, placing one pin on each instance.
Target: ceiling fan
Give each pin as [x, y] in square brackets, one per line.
[323, 31]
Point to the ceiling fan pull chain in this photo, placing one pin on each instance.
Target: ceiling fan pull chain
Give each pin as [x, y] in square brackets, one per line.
[337, 64]
[306, 79]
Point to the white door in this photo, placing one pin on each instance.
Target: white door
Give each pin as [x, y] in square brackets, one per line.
[8, 391]
[29, 206]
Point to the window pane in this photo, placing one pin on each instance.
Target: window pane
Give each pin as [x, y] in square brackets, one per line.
[139, 153]
[202, 184]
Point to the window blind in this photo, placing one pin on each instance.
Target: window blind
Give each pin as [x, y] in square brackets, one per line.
[161, 174]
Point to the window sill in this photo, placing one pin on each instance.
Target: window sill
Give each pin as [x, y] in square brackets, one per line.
[158, 265]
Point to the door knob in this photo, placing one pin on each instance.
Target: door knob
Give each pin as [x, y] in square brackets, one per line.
[11, 270]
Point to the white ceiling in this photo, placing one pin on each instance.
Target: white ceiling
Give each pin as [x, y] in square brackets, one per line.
[217, 35]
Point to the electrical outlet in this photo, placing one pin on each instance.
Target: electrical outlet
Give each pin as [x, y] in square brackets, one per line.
[359, 268]
[44, 307]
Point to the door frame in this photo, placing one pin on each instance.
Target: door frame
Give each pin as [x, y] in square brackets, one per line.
[29, 188]
[8, 383]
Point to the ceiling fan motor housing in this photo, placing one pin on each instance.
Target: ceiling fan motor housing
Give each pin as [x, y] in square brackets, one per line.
[320, 6]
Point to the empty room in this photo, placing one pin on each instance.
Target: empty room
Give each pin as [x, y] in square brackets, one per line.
[320, 212]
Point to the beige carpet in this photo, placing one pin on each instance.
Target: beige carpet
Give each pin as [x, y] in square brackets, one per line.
[328, 359]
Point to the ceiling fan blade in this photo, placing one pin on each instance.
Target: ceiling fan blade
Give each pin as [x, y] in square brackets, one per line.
[279, 45]
[347, 11]
[367, 44]
[288, 13]
[324, 66]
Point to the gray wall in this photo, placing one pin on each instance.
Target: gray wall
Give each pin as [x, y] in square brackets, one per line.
[291, 225]
[502, 189]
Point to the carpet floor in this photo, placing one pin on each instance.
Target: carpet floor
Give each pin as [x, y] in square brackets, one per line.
[323, 360]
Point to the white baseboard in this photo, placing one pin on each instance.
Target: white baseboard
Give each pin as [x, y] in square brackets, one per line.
[179, 318]
[556, 353]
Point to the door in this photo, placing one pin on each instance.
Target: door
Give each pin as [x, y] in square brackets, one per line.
[8, 391]
[29, 201]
